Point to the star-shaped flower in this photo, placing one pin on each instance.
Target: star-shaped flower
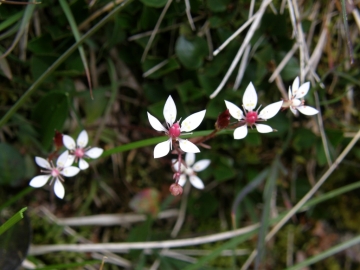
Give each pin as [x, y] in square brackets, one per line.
[52, 172]
[294, 102]
[174, 129]
[191, 171]
[251, 118]
[79, 151]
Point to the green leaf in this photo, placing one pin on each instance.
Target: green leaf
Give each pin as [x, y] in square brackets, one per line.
[191, 51]
[217, 6]
[49, 115]
[154, 3]
[12, 165]
[41, 45]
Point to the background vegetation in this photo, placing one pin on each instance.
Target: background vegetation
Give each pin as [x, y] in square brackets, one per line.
[131, 55]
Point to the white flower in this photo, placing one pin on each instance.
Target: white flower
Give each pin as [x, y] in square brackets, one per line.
[54, 173]
[79, 151]
[174, 129]
[191, 171]
[251, 117]
[294, 102]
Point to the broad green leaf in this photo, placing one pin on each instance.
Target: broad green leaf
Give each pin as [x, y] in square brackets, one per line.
[49, 115]
[41, 45]
[154, 3]
[12, 165]
[191, 52]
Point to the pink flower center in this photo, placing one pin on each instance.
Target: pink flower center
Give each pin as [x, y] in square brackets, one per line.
[79, 152]
[55, 172]
[251, 118]
[174, 130]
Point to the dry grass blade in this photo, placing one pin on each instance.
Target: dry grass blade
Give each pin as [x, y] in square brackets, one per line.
[308, 195]
[24, 23]
[246, 41]
[148, 45]
[99, 12]
[119, 247]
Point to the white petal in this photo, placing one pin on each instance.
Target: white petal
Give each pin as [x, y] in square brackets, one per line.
[196, 182]
[193, 121]
[63, 160]
[270, 110]
[82, 139]
[162, 149]
[182, 180]
[307, 110]
[201, 165]
[294, 111]
[83, 165]
[155, 123]
[189, 159]
[39, 181]
[59, 189]
[43, 163]
[70, 160]
[263, 128]
[289, 94]
[234, 110]
[295, 85]
[303, 90]
[70, 171]
[69, 142]
[170, 111]
[94, 152]
[176, 167]
[188, 146]
[250, 97]
[295, 102]
[240, 132]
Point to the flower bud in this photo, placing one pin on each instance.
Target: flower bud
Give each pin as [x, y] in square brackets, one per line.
[176, 189]
[58, 140]
[223, 120]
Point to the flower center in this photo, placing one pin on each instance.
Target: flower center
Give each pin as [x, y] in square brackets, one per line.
[55, 172]
[79, 152]
[174, 130]
[251, 118]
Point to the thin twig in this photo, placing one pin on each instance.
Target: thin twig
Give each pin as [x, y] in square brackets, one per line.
[148, 45]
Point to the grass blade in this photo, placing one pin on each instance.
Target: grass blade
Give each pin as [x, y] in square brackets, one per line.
[77, 37]
[12, 221]
[58, 62]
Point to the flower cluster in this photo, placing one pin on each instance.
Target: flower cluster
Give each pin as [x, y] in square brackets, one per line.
[248, 116]
[75, 152]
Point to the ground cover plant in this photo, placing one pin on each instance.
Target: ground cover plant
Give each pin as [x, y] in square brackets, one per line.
[188, 134]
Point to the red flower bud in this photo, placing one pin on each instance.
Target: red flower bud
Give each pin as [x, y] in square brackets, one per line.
[223, 120]
[176, 189]
[58, 141]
